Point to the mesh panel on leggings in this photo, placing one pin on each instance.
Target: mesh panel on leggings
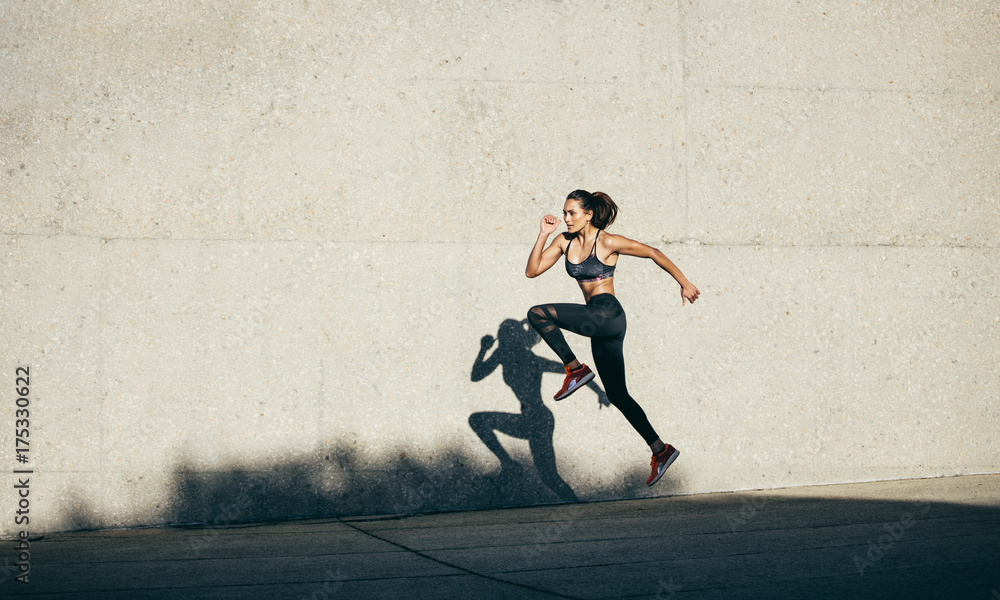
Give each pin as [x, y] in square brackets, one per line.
[542, 318]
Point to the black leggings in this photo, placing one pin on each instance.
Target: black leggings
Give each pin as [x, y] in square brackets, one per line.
[602, 319]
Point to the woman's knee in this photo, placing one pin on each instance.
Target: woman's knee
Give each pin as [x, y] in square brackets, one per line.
[536, 314]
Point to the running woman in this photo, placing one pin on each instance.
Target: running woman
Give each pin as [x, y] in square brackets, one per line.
[602, 318]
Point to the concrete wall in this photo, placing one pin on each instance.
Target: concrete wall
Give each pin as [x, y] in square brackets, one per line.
[249, 250]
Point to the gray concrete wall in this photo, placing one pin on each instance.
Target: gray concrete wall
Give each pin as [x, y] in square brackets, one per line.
[250, 251]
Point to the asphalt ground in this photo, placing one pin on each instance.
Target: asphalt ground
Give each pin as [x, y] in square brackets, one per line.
[916, 538]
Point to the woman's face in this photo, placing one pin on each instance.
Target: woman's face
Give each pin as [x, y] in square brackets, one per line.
[576, 219]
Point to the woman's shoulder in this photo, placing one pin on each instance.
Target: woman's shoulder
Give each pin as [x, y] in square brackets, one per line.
[612, 241]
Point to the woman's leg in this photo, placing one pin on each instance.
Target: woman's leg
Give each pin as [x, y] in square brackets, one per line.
[610, 363]
[586, 320]
[603, 321]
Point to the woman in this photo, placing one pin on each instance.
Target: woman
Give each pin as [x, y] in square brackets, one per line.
[602, 319]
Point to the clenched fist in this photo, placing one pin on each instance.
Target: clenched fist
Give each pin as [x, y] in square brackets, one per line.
[549, 224]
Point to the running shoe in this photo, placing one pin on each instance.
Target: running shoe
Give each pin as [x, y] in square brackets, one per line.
[574, 381]
[660, 462]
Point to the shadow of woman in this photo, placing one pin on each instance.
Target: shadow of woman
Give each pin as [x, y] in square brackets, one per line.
[522, 372]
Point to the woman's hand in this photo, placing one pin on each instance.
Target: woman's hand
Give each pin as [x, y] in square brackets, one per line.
[689, 293]
[540, 260]
[549, 224]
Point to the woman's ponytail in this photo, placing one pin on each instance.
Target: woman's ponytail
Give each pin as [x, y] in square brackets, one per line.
[604, 208]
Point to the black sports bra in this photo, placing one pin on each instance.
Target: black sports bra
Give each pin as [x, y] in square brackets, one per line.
[591, 269]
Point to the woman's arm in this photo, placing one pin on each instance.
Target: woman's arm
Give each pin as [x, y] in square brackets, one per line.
[539, 261]
[623, 245]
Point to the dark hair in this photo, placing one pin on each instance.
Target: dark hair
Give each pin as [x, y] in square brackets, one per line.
[604, 208]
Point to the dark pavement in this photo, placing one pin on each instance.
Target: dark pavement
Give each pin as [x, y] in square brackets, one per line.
[919, 538]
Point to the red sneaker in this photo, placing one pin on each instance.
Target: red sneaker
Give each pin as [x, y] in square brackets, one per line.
[574, 381]
[660, 463]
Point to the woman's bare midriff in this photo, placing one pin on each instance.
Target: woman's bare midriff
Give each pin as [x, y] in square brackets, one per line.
[604, 286]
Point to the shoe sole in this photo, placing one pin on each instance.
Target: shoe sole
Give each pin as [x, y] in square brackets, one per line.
[586, 379]
[666, 465]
